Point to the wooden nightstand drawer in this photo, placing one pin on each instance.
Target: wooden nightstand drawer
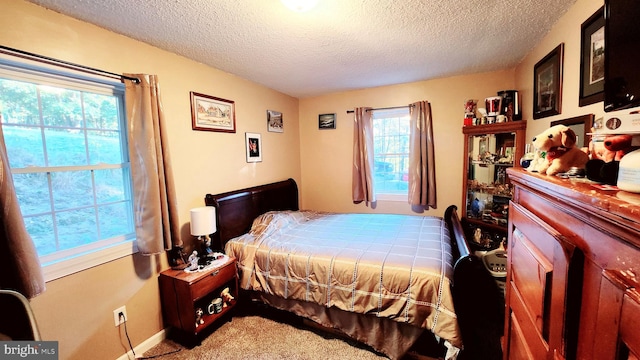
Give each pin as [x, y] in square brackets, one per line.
[212, 281]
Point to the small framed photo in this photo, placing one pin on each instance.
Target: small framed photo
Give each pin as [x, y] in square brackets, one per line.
[211, 113]
[547, 84]
[253, 143]
[592, 59]
[274, 121]
[327, 121]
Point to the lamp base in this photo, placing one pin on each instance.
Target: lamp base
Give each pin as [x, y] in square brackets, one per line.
[206, 245]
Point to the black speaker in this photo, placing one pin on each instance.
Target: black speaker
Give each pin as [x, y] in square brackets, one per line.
[510, 105]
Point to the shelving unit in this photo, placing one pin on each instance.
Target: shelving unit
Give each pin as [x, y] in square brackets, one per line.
[489, 150]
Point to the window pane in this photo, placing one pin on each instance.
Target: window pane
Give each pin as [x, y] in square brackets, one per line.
[41, 230]
[76, 227]
[19, 102]
[33, 193]
[57, 133]
[101, 111]
[71, 189]
[65, 147]
[61, 107]
[391, 151]
[109, 185]
[104, 147]
[111, 220]
[24, 146]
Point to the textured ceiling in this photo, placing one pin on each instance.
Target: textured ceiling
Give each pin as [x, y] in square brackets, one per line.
[338, 45]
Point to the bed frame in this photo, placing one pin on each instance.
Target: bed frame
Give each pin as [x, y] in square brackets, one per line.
[478, 300]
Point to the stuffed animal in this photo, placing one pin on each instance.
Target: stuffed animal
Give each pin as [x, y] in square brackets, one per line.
[199, 320]
[605, 158]
[226, 297]
[558, 142]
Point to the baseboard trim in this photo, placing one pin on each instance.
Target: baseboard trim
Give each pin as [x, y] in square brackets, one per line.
[144, 346]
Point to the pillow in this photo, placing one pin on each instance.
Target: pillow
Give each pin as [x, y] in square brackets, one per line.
[272, 221]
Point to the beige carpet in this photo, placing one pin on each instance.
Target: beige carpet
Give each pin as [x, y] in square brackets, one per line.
[257, 337]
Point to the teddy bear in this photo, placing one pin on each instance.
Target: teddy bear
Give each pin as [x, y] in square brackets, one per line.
[605, 157]
[561, 154]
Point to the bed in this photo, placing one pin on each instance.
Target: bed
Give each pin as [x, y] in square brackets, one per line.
[383, 280]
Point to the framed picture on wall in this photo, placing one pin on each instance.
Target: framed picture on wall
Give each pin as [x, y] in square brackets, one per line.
[274, 121]
[547, 84]
[327, 121]
[592, 59]
[253, 144]
[210, 113]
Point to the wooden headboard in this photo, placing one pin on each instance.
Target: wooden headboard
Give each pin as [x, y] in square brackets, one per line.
[236, 210]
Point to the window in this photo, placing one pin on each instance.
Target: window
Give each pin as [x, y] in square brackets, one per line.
[66, 144]
[391, 152]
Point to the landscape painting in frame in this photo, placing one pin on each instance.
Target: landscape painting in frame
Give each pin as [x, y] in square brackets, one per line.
[211, 113]
[547, 84]
[274, 121]
[327, 121]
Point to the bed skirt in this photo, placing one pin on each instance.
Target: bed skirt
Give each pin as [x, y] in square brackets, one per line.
[392, 338]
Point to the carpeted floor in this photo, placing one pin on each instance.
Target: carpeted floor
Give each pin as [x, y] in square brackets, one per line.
[249, 336]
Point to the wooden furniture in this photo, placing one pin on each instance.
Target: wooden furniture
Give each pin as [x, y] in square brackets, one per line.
[184, 293]
[478, 302]
[574, 257]
[488, 151]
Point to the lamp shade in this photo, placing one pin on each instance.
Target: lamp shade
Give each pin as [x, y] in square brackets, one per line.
[203, 220]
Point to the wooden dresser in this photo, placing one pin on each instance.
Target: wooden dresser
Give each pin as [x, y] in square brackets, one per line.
[574, 270]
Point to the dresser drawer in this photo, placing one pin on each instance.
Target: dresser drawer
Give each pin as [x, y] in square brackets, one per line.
[540, 284]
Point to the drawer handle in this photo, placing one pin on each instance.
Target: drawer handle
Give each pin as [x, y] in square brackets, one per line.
[215, 273]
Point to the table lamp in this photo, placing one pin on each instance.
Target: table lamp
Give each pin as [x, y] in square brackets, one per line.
[203, 224]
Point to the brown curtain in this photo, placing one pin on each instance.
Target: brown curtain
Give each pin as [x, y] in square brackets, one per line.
[422, 169]
[19, 262]
[362, 182]
[155, 207]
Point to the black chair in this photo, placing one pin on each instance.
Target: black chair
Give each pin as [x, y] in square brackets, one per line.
[16, 317]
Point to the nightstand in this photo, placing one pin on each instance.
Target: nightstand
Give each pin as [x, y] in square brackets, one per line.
[186, 293]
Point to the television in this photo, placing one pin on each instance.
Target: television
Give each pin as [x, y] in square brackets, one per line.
[621, 54]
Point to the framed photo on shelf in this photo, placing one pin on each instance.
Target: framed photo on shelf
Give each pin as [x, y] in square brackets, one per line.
[253, 144]
[547, 84]
[211, 113]
[326, 121]
[274, 121]
[592, 59]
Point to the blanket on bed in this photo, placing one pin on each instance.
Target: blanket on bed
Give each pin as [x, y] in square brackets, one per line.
[393, 266]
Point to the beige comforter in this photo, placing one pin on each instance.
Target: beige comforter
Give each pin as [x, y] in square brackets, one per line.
[393, 266]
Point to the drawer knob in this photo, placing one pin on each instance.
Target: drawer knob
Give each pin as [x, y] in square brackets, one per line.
[215, 273]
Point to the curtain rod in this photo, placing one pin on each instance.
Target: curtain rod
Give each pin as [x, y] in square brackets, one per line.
[65, 64]
[384, 108]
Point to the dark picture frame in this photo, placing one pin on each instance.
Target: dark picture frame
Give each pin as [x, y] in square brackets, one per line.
[210, 113]
[547, 84]
[326, 121]
[581, 125]
[592, 59]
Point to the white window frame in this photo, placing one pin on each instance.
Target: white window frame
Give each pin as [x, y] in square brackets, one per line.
[397, 197]
[99, 252]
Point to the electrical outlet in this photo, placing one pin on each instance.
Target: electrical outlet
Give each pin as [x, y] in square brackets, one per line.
[116, 315]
